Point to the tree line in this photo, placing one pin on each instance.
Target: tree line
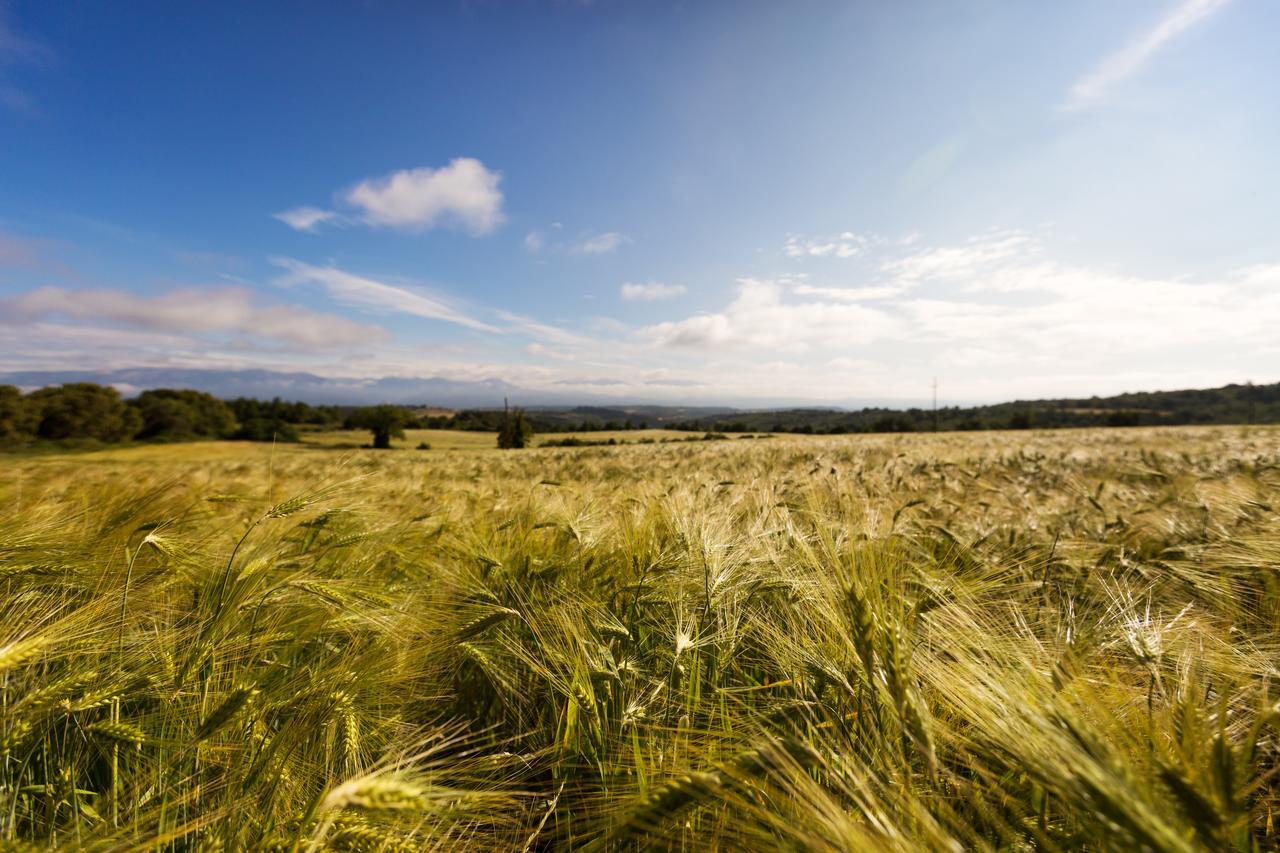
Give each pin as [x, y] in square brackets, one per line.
[85, 412]
[89, 413]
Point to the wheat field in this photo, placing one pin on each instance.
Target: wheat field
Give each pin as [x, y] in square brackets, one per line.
[991, 641]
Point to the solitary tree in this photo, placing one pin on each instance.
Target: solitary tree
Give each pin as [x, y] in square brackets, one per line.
[515, 431]
[385, 422]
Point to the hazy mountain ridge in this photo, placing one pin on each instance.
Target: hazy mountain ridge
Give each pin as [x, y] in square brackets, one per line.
[305, 387]
[1228, 404]
[428, 391]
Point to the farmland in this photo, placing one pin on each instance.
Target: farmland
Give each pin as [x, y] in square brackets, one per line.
[1001, 640]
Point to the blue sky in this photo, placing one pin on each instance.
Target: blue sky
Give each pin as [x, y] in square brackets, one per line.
[720, 201]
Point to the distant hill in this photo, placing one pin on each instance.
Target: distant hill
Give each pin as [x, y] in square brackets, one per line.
[471, 404]
[1230, 404]
[428, 392]
[304, 387]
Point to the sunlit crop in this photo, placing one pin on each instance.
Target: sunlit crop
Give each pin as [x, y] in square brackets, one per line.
[963, 641]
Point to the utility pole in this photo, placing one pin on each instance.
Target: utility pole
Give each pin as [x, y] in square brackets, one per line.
[935, 404]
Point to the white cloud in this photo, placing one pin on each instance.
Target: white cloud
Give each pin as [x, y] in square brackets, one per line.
[193, 310]
[650, 291]
[552, 240]
[544, 331]
[954, 262]
[599, 244]
[544, 351]
[463, 193]
[370, 293]
[844, 245]
[996, 311]
[305, 218]
[851, 294]
[760, 317]
[1126, 62]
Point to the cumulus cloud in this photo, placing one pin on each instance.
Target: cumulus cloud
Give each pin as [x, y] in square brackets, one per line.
[997, 310]
[192, 310]
[650, 291]
[367, 292]
[1127, 61]
[1003, 295]
[463, 193]
[305, 218]
[599, 244]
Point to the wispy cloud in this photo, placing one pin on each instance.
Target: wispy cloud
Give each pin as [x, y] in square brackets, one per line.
[953, 262]
[462, 194]
[305, 218]
[16, 49]
[650, 291]
[544, 331]
[16, 251]
[366, 292]
[852, 294]
[599, 244]
[1124, 63]
[192, 310]
[761, 318]
[843, 245]
[553, 240]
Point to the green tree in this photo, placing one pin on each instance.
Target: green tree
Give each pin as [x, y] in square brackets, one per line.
[84, 410]
[1020, 420]
[266, 429]
[19, 416]
[514, 431]
[385, 422]
[177, 414]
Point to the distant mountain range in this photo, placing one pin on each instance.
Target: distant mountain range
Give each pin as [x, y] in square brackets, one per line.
[565, 409]
[321, 390]
[304, 387]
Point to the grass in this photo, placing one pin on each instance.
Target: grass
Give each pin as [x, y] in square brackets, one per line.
[1052, 640]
